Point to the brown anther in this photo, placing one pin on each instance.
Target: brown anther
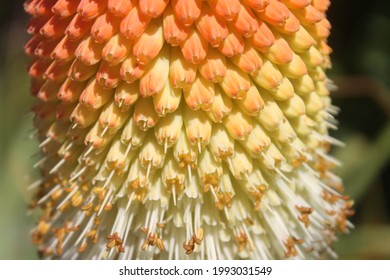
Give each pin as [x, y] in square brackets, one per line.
[224, 155]
[242, 240]
[341, 222]
[160, 244]
[144, 246]
[305, 212]
[174, 183]
[152, 239]
[257, 193]
[120, 249]
[93, 234]
[69, 228]
[210, 180]
[108, 207]
[330, 212]
[189, 247]
[160, 225]
[346, 211]
[69, 189]
[291, 252]
[224, 200]
[296, 162]
[140, 192]
[133, 185]
[331, 198]
[186, 159]
[111, 244]
[86, 207]
[323, 166]
[82, 248]
[115, 241]
[97, 190]
[290, 243]
[195, 239]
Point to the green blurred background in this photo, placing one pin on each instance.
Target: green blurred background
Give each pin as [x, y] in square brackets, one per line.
[361, 69]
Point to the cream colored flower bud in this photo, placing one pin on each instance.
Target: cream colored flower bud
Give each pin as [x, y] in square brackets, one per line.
[237, 124]
[155, 77]
[236, 82]
[257, 141]
[168, 129]
[293, 107]
[181, 72]
[303, 85]
[132, 135]
[295, 69]
[118, 157]
[271, 117]
[95, 96]
[145, 116]
[151, 154]
[200, 95]
[269, 77]
[126, 95]
[168, 100]
[112, 117]
[221, 107]
[241, 163]
[198, 128]
[252, 103]
[83, 116]
[221, 144]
